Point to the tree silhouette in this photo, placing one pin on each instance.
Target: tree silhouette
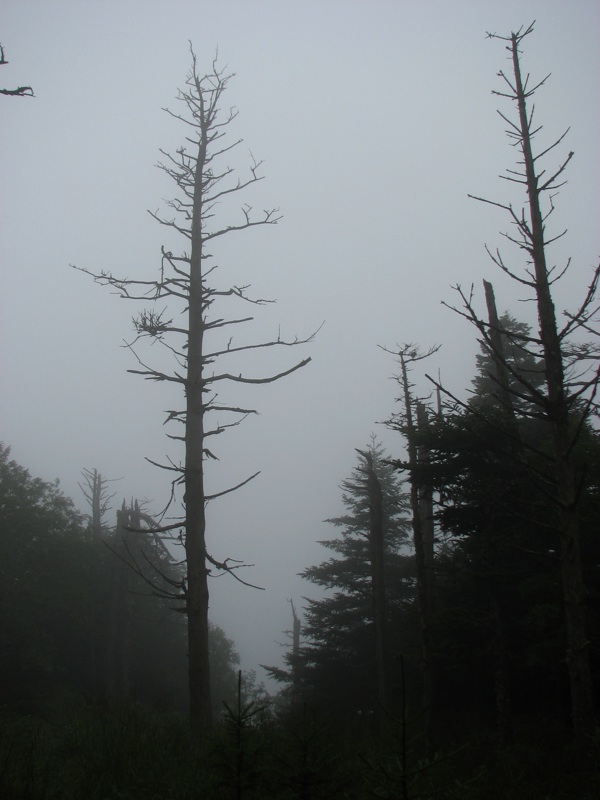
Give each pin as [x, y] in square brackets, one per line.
[568, 397]
[20, 91]
[206, 184]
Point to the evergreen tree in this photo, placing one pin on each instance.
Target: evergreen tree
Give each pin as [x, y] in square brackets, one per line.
[338, 664]
[524, 367]
[43, 601]
[568, 399]
[59, 587]
[500, 633]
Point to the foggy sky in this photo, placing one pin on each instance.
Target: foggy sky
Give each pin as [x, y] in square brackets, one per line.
[374, 120]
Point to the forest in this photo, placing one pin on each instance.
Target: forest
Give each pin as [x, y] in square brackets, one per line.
[448, 646]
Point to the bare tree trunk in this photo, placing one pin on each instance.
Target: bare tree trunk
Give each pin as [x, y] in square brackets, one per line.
[376, 542]
[297, 693]
[558, 406]
[566, 404]
[197, 599]
[498, 354]
[422, 524]
[426, 567]
[118, 623]
[95, 490]
[500, 650]
[426, 515]
[296, 630]
[203, 182]
[96, 513]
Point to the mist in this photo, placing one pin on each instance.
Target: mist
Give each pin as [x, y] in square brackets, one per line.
[374, 122]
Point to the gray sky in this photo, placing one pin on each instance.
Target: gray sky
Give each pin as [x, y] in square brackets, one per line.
[374, 119]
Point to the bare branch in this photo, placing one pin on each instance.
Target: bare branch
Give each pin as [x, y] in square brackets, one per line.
[203, 179]
[230, 568]
[270, 379]
[231, 489]
[21, 91]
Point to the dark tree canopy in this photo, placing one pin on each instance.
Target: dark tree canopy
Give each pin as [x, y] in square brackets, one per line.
[336, 663]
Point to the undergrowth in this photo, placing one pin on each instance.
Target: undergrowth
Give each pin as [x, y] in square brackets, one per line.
[101, 751]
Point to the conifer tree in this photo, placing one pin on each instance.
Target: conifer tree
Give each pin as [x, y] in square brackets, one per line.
[346, 657]
[568, 397]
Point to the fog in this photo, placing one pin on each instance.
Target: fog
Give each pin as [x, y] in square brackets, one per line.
[374, 120]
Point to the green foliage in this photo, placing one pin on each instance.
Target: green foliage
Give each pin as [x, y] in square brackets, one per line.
[74, 618]
[86, 610]
[499, 631]
[336, 665]
[44, 564]
[308, 764]
[525, 370]
[224, 661]
[239, 749]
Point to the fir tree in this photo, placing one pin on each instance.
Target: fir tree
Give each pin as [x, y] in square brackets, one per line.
[339, 662]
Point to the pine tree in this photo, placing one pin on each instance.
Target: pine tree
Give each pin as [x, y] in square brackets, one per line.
[342, 658]
[500, 622]
[568, 398]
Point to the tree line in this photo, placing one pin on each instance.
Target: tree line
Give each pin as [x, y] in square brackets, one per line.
[79, 616]
[492, 645]
[502, 490]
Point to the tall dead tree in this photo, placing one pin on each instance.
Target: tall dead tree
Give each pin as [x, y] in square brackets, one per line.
[570, 368]
[295, 637]
[413, 418]
[296, 630]
[377, 554]
[205, 182]
[117, 666]
[95, 491]
[500, 649]
[501, 376]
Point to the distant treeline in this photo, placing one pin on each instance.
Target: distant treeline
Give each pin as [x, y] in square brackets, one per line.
[79, 614]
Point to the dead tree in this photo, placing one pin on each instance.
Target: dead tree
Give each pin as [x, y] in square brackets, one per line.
[143, 566]
[117, 653]
[501, 376]
[20, 91]
[412, 419]
[296, 630]
[501, 379]
[204, 182]
[96, 493]
[295, 637]
[570, 369]
[377, 554]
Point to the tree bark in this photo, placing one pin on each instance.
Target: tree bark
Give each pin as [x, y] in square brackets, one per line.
[498, 354]
[426, 582]
[422, 524]
[376, 542]
[558, 408]
[500, 649]
[197, 598]
[203, 182]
